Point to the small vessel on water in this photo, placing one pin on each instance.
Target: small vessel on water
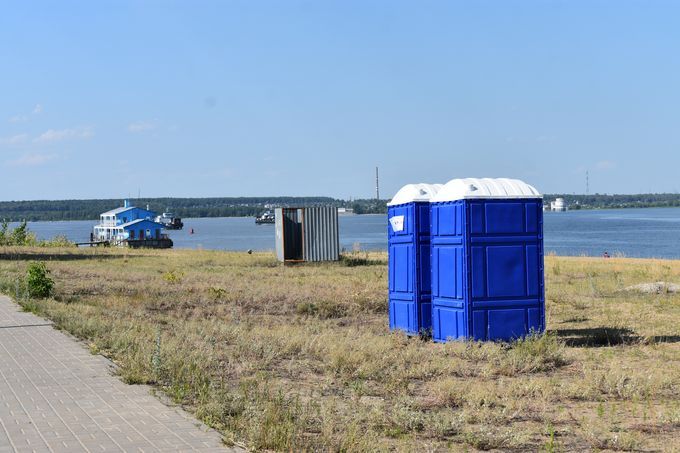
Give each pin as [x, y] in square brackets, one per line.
[266, 218]
[169, 220]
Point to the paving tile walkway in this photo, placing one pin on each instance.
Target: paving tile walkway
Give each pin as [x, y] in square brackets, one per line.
[57, 397]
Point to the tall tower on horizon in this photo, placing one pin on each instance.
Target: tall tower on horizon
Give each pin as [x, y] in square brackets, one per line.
[587, 183]
[377, 185]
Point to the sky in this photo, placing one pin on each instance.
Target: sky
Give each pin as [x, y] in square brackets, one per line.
[110, 99]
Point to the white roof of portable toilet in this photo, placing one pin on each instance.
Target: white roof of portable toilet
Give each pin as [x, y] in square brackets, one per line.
[460, 189]
[415, 192]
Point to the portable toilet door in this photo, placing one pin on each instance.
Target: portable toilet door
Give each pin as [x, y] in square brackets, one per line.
[408, 237]
[487, 260]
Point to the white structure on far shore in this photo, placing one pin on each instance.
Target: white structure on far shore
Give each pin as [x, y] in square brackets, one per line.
[558, 205]
[345, 211]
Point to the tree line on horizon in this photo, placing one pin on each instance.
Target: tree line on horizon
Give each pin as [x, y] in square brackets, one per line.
[617, 201]
[37, 210]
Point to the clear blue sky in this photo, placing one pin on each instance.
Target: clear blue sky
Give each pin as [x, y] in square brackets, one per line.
[254, 98]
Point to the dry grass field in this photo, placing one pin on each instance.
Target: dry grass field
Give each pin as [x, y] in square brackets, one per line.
[300, 357]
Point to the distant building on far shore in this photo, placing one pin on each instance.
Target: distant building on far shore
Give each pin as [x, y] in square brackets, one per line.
[345, 211]
[558, 205]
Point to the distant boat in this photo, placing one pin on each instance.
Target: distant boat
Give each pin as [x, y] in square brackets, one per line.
[266, 218]
[170, 222]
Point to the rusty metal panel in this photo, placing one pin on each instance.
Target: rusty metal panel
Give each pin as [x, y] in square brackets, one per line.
[320, 234]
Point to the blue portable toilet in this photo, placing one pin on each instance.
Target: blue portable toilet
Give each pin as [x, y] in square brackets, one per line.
[408, 238]
[487, 260]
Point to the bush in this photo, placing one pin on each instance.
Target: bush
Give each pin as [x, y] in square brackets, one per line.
[38, 282]
[57, 241]
[18, 236]
[533, 354]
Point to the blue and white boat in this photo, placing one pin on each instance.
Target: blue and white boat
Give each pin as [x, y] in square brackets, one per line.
[132, 226]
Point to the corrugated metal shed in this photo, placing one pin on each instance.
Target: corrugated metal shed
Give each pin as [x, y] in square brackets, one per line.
[320, 234]
[307, 234]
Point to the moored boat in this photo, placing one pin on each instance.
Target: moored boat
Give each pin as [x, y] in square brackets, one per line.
[266, 218]
[130, 226]
[169, 220]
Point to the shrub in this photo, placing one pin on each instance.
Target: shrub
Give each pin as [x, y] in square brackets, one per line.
[354, 259]
[20, 235]
[57, 241]
[38, 282]
[533, 354]
[324, 309]
[173, 276]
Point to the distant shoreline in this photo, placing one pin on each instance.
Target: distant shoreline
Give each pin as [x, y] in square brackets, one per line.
[58, 210]
[184, 218]
[55, 210]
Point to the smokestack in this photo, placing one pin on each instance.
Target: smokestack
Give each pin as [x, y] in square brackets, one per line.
[377, 185]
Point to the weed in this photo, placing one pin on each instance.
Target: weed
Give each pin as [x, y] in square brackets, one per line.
[532, 354]
[173, 276]
[38, 282]
[671, 416]
[156, 362]
[551, 444]
[323, 309]
[489, 439]
[354, 259]
[217, 293]
[556, 269]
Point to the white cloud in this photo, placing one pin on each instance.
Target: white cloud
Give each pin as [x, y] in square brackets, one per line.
[57, 135]
[32, 160]
[18, 119]
[142, 126]
[605, 165]
[14, 140]
[22, 118]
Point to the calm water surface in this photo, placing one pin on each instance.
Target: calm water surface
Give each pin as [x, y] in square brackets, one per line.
[653, 232]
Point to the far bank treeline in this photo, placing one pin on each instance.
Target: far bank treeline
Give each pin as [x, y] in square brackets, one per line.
[252, 206]
[614, 201]
[183, 207]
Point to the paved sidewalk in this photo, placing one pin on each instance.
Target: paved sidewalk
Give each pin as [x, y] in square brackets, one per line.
[57, 397]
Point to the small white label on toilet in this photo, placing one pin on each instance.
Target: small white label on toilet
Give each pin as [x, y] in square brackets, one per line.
[397, 223]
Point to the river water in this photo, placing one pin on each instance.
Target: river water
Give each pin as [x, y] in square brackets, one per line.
[643, 233]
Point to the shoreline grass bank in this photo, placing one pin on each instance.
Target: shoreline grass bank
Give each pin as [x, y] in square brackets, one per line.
[300, 357]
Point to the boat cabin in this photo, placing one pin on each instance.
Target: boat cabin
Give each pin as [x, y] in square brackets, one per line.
[127, 223]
